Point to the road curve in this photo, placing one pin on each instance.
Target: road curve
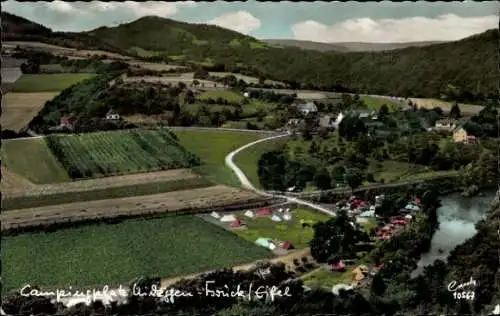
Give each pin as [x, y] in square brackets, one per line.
[248, 185]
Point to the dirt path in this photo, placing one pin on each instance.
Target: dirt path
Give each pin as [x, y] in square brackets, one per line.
[214, 196]
[99, 183]
[286, 259]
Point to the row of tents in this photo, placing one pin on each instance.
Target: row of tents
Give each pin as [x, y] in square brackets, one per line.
[273, 244]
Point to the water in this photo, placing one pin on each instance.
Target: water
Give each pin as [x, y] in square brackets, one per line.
[457, 218]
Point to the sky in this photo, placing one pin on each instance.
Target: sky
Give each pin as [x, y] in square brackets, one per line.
[328, 22]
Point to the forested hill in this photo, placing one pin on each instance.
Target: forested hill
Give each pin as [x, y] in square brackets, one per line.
[16, 28]
[469, 65]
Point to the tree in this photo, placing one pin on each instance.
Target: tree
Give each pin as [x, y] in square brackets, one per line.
[455, 111]
[383, 111]
[378, 285]
[353, 177]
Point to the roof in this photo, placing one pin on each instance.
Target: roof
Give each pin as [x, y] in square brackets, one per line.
[308, 106]
[111, 111]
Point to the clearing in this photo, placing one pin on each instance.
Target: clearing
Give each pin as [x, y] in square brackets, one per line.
[48, 82]
[247, 79]
[116, 254]
[212, 147]
[19, 108]
[248, 159]
[120, 152]
[465, 109]
[33, 160]
[193, 199]
[374, 103]
[393, 171]
[291, 231]
[230, 96]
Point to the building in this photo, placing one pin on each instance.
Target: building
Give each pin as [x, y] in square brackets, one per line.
[460, 135]
[307, 108]
[67, 121]
[112, 115]
[447, 125]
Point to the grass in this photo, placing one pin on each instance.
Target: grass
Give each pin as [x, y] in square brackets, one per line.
[144, 53]
[48, 82]
[32, 159]
[257, 45]
[248, 159]
[115, 254]
[230, 96]
[291, 231]
[325, 278]
[107, 193]
[212, 147]
[393, 171]
[376, 103]
[120, 152]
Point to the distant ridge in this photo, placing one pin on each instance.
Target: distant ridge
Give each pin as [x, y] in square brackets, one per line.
[347, 46]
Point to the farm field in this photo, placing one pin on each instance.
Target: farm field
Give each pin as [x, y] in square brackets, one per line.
[154, 66]
[230, 96]
[19, 108]
[115, 254]
[12, 181]
[48, 82]
[291, 231]
[33, 160]
[119, 152]
[326, 279]
[375, 104]
[213, 152]
[392, 171]
[213, 196]
[140, 189]
[248, 159]
[465, 109]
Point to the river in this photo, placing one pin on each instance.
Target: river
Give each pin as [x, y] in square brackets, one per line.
[457, 218]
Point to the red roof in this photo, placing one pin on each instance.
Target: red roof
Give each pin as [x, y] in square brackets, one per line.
[264, 211]
[236, 223]
[287, 245]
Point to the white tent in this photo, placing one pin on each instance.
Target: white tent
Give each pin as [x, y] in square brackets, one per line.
[228, 218]
[287, 210]
[272, 246]
[367, 214]
[276, 218]
[249, 214]
[280, 210]
[215, 215]
[408, 216]
[287, 217]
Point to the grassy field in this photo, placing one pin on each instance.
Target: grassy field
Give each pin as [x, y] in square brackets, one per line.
[33, 160]
[466, 109]
[247, 159]
[48, 82]
[230, 96]
[113, 254]
[291, 231]
[105, 193]
[212, 148]
[326, 279]
[392, 171]
[120, 152]
[376, 103]
[19, 108]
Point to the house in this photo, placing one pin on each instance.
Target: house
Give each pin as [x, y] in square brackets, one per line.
[326, 121]
[67, 121]
[112, 115]
[376, 268]
[460, 135]
[264, 212]
[447, 125]
[307, 108]
[412, 207]
[367, 214]
[228, 218]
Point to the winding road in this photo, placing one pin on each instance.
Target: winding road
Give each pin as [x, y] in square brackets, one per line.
[248, 185]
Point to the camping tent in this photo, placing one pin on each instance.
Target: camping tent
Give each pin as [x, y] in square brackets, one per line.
[287, 245]
[215, 215]
[236, 223]
[276, 218]
[249, 214]
[367, 214]
[228, 218]
[264, 242]
[287, 217]
[264, 212]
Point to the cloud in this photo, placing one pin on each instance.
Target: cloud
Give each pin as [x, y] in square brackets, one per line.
[240, 21]
[447, 27]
